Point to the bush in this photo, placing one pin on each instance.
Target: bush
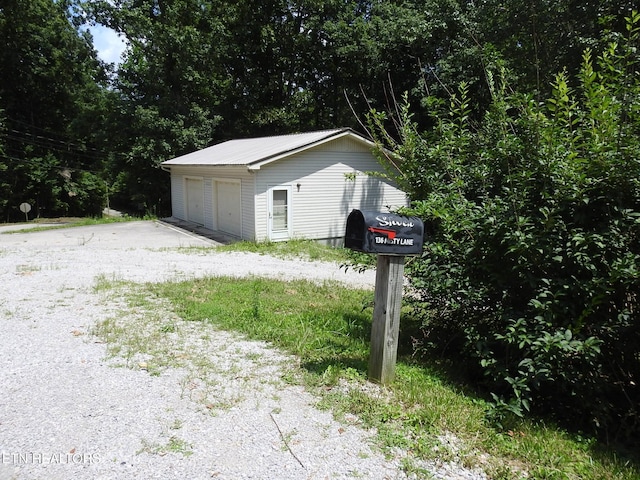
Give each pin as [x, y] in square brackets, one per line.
[531, 270]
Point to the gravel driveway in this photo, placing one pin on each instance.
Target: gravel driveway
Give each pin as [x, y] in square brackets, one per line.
[68, 411]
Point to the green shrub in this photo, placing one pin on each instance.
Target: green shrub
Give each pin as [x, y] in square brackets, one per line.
[530, 276]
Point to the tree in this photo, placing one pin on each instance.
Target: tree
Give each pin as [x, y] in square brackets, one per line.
[54, 79]
[197, 72]
[168, 87]
[542, 37]
[532, 264]
[202, 71]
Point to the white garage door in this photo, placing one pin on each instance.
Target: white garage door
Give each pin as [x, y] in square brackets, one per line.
[195, 201]
[229, 208]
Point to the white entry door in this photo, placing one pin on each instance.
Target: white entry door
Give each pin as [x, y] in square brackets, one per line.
[279, 220]
[195, 200]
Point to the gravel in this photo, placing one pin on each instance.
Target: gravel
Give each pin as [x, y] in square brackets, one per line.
[69, 410]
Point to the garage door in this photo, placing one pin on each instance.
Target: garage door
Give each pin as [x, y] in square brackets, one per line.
[229, 208]
[195, 201]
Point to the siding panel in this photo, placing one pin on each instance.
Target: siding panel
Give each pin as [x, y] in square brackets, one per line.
[325, 195]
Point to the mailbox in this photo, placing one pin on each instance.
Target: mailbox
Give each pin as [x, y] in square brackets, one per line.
[384, 233]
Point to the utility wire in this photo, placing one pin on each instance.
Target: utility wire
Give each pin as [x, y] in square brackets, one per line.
[72, 164]
[33, 161]
[48, 141]
[51, 146]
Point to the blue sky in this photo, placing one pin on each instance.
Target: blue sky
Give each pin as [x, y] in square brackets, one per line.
[107, 43]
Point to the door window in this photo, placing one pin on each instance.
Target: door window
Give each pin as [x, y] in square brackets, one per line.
[280, 211]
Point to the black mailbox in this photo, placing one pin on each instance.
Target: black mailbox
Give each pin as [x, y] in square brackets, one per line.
[384, 233]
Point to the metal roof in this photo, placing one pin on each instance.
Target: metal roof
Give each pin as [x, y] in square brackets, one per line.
[255, 152]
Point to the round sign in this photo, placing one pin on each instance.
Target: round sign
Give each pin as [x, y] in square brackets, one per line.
[25, 207]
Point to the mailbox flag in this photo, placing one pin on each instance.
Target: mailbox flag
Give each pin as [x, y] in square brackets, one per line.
[391, 234]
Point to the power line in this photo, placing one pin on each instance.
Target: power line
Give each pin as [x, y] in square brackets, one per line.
[49, 142]
[39, 142]
[61, 168]
[30, 126]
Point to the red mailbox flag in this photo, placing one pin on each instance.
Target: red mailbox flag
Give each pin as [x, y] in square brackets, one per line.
[391, 234]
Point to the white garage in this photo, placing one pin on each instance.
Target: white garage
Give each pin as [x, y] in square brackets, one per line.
[282, 187]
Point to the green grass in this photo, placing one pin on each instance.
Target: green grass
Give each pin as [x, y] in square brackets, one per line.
[303, 249]
[327, 328]
[57, 223]
[173, 445]
[143, 333]
[70, 222]
[306, 319]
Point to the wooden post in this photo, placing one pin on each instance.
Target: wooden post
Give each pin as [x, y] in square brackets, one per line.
[386, 319]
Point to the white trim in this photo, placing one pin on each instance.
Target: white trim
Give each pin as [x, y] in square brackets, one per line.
[280, 235]
[227, 180]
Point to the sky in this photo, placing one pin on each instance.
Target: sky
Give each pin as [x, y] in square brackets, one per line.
[107, 43]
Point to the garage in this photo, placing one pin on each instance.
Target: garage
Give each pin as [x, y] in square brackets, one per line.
[299, 185]
[229, 207]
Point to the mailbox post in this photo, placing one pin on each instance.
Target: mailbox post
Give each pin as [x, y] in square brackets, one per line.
[392, 237]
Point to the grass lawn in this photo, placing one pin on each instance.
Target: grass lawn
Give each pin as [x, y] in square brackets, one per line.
[42, 224]
[327, 327]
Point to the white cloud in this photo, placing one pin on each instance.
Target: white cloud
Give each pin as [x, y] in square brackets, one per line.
[108, 43]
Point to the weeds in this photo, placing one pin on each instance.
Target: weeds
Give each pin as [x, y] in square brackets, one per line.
[144, 334]
[58, 223]
[297, 248]
[424, 413]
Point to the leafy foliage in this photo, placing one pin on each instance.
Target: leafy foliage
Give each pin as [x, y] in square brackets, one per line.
[531, 270]
[197, 72]
[51, 92]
